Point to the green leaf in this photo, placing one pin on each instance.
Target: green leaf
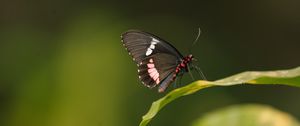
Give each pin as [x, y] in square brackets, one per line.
[284, 77]
[246, 115]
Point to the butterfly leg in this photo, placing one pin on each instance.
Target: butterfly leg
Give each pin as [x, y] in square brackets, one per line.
[180, 77]
[178, 82]
[189, 70]
[175, 83]
[199, 71]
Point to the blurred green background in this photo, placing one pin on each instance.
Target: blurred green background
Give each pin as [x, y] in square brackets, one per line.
[62, 62]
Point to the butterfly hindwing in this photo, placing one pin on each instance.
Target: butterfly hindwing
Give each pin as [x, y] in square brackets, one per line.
[154, 69]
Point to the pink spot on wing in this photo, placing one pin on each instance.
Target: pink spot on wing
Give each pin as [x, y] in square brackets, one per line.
[150, 65]
[153, 73]
[151, 60]
[151, 70]
[157, 81]
[155, 76]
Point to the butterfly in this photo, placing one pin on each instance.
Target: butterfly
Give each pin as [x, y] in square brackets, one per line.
[158, 62]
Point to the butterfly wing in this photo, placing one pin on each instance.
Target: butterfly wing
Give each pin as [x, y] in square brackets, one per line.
[154, 69]
[141, 44]
[156, 59]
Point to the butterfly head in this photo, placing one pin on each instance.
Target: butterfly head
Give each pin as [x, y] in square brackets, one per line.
[189, 57]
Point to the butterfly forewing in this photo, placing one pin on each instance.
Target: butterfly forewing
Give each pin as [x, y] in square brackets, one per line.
[141, 44]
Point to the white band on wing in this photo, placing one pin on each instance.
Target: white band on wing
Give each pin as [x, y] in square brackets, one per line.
[151, 47]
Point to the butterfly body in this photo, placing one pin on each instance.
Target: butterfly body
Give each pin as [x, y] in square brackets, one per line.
[159, 63]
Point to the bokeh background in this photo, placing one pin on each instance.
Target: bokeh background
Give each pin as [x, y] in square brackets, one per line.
[62, 62]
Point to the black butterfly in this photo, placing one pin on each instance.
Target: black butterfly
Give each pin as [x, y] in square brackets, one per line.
[159, 63]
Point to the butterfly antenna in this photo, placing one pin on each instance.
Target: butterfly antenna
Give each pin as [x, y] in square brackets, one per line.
[196, 40]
